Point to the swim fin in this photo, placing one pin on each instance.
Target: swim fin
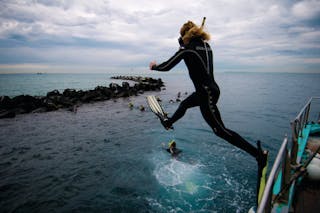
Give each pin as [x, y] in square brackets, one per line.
[157, 109]
[262, 159]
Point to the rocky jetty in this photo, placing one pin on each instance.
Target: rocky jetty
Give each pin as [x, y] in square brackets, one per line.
[70, 98]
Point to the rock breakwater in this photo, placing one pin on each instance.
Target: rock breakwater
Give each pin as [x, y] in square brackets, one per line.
[71, 98]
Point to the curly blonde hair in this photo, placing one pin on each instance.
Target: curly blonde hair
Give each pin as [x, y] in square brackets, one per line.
[190, 30]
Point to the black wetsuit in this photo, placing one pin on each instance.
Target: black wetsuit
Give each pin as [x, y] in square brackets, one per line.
[175, 151]
[198, 57]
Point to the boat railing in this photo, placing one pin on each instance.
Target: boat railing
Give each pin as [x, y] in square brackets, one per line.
[266, 200]
[297, 126]
[284, 159]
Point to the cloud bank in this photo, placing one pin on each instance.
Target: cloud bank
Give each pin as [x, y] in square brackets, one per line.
[104, 36]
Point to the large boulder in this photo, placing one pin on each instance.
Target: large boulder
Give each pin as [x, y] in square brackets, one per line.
[5, 102]
[114, 86]
[53, 93]
[25, 103]
[105, 91]
[125, 85]
[71, 93]
[7, 114]
[91, 95]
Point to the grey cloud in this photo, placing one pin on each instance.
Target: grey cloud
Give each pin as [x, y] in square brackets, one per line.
[244, 32]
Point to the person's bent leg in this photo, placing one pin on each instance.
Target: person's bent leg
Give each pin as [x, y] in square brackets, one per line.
[189, 102]
[212, 116]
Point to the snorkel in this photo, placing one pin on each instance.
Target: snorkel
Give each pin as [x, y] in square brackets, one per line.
[203, 21]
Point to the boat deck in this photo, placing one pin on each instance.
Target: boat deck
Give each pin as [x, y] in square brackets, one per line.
[307, 197]
[313, 143]
[307, 191]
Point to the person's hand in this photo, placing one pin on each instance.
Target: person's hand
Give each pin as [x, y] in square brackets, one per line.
[152, 63]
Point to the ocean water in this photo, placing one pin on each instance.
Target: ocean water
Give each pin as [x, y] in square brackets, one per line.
[108, 158]
[40, 84]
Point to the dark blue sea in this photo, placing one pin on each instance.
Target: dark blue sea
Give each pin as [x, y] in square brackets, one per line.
[108, 157]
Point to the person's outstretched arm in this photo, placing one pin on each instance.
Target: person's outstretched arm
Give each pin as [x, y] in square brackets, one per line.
[169, 64]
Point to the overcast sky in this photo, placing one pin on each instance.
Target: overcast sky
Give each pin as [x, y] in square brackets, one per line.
[123, 35]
